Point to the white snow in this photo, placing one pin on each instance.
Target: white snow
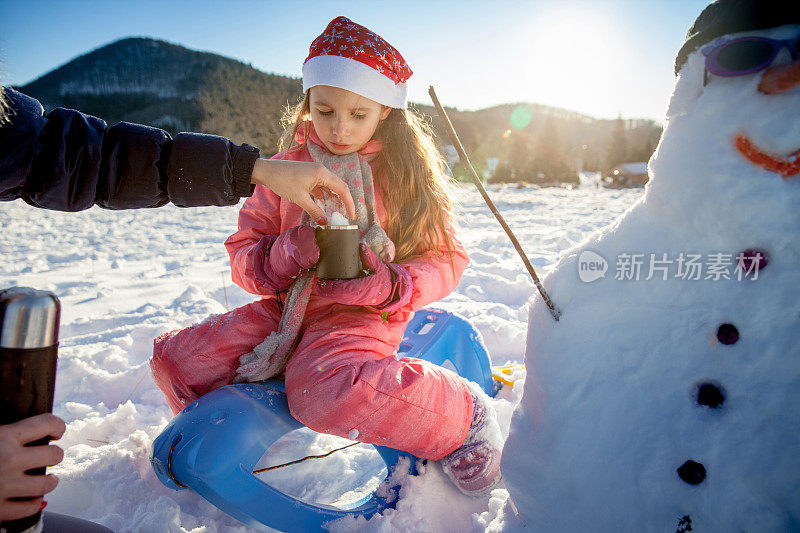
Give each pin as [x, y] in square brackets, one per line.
[338, 219]
[611, 409]
[125, 277]
[331, 207]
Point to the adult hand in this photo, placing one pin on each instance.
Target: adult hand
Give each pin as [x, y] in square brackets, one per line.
[388, 288]
[15, 459]
[299, 181]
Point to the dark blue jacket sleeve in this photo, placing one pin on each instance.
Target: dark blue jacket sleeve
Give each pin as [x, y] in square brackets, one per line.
[69, 161]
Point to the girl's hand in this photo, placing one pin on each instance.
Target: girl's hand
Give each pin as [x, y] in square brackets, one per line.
[277, 261]
[388, 288]
[15, 459]
[299, 181]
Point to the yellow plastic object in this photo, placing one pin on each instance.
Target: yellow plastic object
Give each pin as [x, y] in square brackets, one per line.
[497, 372]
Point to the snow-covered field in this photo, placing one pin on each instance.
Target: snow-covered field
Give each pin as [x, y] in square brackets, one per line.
[125, 277]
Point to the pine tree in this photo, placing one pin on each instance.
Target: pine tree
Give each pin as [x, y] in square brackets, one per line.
[618, 151]
[549, 165]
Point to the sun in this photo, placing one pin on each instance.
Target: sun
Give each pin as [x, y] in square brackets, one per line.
[570, 59]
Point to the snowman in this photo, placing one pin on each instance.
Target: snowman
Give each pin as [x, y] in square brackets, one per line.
[667, 398]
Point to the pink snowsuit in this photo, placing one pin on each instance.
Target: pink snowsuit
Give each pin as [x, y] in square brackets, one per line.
[343, 378]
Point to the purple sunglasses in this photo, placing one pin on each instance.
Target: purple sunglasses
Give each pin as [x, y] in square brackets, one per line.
[746, 55]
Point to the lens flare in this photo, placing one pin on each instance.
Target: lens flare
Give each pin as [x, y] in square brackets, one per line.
[520, 117]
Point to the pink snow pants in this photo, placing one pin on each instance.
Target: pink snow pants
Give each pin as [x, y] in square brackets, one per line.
[343, 375]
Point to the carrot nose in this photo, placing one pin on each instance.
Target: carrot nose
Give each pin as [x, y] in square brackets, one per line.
[780, 78]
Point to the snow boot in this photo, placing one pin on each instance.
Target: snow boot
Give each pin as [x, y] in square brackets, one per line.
[474, 467]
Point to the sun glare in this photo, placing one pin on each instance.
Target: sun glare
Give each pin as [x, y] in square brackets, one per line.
[572, 60]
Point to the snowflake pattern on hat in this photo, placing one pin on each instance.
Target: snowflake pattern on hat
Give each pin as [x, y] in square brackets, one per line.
[345, 38]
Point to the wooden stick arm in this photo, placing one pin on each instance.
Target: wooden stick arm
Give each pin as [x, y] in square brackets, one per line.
[451, 132]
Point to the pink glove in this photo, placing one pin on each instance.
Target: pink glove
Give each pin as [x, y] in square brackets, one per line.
[279, 259]
[388, 289]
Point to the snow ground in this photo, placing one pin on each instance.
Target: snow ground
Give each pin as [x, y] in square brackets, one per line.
[125, 277]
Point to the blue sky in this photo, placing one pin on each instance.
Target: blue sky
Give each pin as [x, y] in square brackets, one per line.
[599, 57]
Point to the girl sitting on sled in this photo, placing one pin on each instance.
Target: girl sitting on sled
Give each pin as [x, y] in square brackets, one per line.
[335, 340]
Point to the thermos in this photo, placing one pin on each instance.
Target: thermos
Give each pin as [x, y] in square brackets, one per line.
[29, 322]
[338, 252]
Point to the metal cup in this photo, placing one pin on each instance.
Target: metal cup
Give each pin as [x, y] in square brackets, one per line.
[338, 252]
[29, 322]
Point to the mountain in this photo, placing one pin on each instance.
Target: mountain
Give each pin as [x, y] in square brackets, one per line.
[154, 82]
[171, 87]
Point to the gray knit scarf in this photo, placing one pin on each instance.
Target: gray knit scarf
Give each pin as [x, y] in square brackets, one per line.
[269, 358]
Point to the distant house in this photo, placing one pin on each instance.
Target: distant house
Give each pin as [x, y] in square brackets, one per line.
[627, 175]
[491, 166]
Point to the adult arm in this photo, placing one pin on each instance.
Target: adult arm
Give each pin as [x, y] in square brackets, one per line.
[69, 161]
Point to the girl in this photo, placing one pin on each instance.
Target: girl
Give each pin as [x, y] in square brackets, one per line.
[335, 341]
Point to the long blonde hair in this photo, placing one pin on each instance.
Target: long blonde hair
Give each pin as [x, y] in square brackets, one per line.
[422, 204]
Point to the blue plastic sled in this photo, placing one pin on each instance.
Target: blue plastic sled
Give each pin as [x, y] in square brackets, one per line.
[213, 445]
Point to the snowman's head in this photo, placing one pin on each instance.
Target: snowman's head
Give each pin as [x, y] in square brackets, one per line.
[731, 141]
[741, 61]
[749, 81]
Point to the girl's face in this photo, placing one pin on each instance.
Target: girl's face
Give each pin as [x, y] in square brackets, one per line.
[344, 120]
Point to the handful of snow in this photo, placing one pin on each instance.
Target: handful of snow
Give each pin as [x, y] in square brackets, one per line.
[331, 206]
[337, 219]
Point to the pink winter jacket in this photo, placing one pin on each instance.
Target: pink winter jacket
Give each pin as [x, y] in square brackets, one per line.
[265, 213]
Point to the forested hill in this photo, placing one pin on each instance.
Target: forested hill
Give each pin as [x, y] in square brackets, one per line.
[162, 84]
[169, 86]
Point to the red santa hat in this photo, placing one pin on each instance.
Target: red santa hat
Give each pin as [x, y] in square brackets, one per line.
[349, 56]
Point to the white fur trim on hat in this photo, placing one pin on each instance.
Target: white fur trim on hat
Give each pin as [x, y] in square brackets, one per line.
[354, 76]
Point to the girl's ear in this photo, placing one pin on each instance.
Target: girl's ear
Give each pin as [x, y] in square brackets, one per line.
[385, 112]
